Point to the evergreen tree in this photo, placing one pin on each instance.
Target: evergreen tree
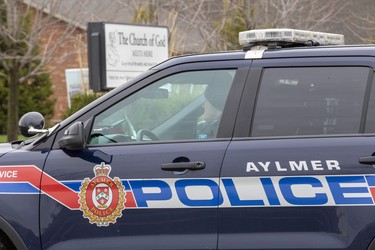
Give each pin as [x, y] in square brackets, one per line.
[3, 106]
[35, 95]
[80, 100]
[237, 18]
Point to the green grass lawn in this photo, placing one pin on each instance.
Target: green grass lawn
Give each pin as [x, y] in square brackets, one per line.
[3, 138]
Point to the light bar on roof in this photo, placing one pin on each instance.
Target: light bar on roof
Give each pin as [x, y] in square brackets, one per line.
[289, 36]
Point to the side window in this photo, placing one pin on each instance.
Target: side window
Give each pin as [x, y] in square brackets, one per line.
[184, 106]
[310, 101]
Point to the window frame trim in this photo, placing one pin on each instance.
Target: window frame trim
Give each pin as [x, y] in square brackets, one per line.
[231, 108]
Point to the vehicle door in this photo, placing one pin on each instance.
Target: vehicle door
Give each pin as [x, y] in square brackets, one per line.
[148, 177]
[292, 177]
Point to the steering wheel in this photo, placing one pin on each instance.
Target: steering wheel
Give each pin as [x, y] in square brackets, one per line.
[145, 132]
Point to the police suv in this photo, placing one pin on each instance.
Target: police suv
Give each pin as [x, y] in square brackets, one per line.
[271, 147]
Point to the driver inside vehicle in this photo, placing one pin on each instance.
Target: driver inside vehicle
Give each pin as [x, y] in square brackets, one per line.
[216, 95]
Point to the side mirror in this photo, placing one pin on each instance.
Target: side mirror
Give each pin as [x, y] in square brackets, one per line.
[31, 124]
[74, 137]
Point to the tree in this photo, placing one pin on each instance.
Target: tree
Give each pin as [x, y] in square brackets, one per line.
[34, 95]
[22, 57]
[313, 15]
[3, 106]
[241, 15]
[79, 101]
[148, 14]
[145, 14]
[209, 25]
[186, 20]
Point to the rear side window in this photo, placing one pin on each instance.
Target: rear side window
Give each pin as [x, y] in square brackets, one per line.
[310, 101]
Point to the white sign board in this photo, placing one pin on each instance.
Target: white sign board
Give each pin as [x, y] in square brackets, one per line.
[131, 50]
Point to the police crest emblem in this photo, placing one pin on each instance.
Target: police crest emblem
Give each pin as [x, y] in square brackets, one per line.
[102, 198]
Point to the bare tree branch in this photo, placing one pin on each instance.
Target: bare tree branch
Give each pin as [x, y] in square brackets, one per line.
[27, 26]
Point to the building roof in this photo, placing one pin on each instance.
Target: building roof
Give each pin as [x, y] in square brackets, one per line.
[84, 11]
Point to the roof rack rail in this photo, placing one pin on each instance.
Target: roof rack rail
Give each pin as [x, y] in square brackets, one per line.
[282, 38]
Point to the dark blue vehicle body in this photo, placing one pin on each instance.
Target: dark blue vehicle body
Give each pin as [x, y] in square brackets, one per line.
[257, 192]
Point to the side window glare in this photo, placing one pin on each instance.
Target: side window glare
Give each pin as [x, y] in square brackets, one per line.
[183, 106]
[310, 101]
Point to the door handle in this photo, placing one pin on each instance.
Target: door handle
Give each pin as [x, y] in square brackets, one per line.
[180, 166]
[367, 160]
